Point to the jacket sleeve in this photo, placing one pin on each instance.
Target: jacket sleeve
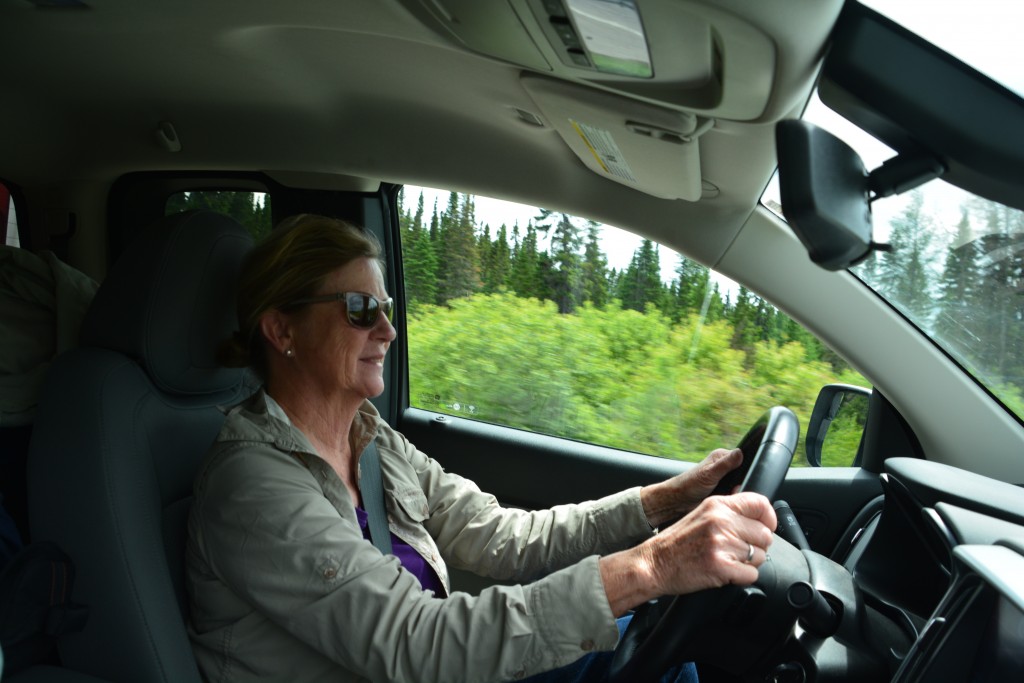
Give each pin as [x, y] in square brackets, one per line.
[265, 528]
[475, 533]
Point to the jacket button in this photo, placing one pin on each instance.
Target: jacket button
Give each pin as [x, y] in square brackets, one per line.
[587, 645]
[330, 573]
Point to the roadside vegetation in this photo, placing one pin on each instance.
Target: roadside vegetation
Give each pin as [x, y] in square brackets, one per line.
[552, 340]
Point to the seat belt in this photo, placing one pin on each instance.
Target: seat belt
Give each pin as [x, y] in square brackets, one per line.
[371, 487]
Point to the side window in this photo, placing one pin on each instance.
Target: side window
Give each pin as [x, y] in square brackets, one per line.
[546, 322]
[8, 218]
[251, 209]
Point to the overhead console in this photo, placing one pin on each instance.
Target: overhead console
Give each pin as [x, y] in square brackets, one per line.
[642, 91]
[680, 53]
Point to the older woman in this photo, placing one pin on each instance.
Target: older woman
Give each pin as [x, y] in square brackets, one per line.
[283, 582]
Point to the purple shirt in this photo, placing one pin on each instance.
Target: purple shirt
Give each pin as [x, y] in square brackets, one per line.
[411, 560]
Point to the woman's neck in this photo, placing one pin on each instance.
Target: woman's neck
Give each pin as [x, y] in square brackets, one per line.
[326, 420]
[327, 424]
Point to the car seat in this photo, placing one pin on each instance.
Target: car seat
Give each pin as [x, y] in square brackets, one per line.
[120, 431]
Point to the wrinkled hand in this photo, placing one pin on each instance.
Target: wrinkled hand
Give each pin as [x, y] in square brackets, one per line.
[707, 548]
[669, 500]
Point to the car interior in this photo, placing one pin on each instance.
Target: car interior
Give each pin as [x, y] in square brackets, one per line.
[904, 565]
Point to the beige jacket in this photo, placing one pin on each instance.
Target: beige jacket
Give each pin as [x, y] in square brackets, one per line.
[283, 587]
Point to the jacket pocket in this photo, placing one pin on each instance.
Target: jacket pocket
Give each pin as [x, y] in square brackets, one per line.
[410, 503]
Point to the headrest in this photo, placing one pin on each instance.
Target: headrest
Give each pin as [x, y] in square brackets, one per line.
[169, 301]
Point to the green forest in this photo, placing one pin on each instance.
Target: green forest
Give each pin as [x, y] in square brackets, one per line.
[552, 340]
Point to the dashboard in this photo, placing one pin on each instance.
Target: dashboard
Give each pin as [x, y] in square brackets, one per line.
[930, 591]
[945, 564]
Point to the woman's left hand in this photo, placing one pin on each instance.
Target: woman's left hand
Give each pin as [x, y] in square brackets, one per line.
[671, 499]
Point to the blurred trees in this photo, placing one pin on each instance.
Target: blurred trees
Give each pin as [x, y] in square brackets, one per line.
[551, 340]
[250, 209]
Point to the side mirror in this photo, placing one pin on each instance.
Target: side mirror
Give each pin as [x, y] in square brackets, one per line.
[838, 416]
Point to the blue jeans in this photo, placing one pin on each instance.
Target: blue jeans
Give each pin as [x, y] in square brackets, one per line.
[593, 668]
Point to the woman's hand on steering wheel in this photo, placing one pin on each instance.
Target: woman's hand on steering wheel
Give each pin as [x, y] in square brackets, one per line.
[667, 501]
[723, 541]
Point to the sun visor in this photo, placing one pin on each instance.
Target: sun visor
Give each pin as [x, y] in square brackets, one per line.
[652, 149]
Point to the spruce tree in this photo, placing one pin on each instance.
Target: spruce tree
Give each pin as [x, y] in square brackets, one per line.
[459, 263]
[419, 259]
[960, 307]
[641, 282]
[525, 278]
[565, 276]
[903, 272]
[595, 268]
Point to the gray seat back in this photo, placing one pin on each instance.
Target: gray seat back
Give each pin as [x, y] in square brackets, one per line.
[122, 426]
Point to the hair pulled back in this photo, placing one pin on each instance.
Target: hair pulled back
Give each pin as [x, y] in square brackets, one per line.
[291, 263]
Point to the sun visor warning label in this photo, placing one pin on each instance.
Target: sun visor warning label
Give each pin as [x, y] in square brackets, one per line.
[602, 146]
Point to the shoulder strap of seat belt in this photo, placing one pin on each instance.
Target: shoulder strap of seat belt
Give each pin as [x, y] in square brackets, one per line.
[371, 487]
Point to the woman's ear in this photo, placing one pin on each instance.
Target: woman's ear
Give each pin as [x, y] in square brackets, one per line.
[276, 328]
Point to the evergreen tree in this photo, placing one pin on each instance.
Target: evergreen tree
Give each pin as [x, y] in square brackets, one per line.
[744, 319]
[435, 225]
[495, 260]
[715, 305]
[419, 259]
[459, 262]
[641, 282]
[595, 268]
[1000, 287]
[525, 278]
[692, 279]
[903, 273]
[959, 290]
[565, 277]
[418, 218]
[242, 206]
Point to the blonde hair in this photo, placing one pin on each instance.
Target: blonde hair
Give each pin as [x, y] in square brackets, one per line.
[291, 263]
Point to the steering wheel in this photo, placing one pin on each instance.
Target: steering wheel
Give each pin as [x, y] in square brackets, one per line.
[658, 631]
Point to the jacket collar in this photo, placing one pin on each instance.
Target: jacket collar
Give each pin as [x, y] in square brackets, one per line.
[260, 419]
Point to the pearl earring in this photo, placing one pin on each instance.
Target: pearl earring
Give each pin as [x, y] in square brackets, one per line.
[289, 353]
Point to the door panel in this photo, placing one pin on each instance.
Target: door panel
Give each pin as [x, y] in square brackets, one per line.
[533, 471]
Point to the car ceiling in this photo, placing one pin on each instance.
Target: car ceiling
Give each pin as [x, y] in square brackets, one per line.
[389, 91]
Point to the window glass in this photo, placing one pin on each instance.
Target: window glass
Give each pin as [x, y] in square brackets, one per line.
[956, 270]
[547, 322]
[251, 209]
[8, 218]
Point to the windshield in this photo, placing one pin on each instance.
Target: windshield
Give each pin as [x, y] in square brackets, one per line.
[956, 268]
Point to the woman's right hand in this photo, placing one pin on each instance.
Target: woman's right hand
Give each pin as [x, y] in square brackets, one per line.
[707, 548]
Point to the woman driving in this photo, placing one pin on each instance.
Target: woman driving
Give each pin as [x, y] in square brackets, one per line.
[283, 581]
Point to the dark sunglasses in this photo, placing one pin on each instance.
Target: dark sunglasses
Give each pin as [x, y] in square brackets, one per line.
[362, 310]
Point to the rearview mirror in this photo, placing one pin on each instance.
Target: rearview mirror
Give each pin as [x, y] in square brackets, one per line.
[824, 192]
[836, 426]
